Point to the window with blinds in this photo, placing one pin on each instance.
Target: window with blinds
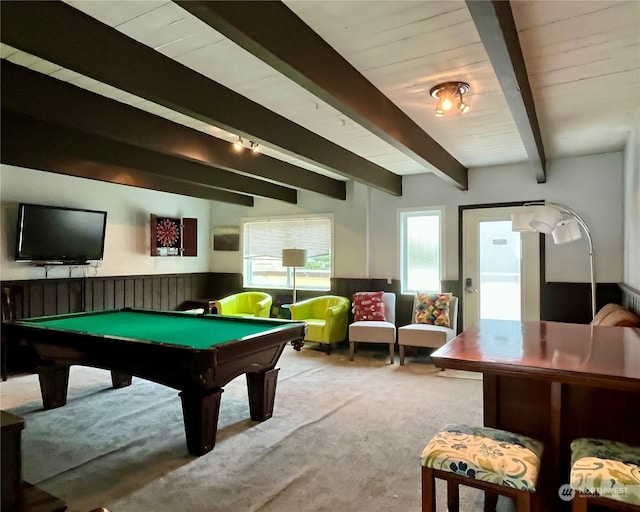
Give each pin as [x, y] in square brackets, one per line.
[264, 239]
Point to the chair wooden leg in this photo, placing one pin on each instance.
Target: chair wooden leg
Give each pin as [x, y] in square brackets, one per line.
[328, 349]
[428, 490]
[401, 351]
[453, 499]
[352, 347]
[490, 501]
[392, 352]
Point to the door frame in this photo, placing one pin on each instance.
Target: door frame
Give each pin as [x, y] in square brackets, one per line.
[461, 209]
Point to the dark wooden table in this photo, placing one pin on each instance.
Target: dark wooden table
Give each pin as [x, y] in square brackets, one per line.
[554, 382]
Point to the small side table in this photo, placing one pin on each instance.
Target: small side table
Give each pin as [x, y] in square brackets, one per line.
[17, 495]
[12, 426]
[284, 312]
[209, 305]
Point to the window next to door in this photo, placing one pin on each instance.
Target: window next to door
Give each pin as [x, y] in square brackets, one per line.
[421, 250]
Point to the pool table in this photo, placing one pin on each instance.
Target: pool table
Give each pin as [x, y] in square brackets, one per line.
[196, 354]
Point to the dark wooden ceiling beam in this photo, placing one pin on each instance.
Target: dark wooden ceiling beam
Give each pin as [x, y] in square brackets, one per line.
[92, 147]
[42, 97]
[26, 144]
[273, 33]
[61, 34]
[497, 28]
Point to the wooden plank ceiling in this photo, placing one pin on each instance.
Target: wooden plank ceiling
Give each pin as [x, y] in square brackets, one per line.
[332, 91]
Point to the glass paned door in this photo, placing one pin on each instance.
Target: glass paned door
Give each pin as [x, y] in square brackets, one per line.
[501, 268]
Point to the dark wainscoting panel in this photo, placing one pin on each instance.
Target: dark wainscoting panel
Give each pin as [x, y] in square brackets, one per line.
[571, 302]
[56, 296]
[563, 302]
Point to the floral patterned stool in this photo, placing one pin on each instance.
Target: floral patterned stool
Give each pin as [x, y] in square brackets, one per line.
[493, 460]
[605, 473]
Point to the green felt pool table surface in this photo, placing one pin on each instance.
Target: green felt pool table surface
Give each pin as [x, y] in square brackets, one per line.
[185, 329]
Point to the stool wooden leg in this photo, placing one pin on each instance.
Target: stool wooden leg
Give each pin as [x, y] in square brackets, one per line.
[490, 501]
[523, 502]
[579, 504]
[428, 490]
[453, 500]
[536, 502]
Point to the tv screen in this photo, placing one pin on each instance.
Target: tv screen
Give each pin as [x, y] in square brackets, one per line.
[57, 234]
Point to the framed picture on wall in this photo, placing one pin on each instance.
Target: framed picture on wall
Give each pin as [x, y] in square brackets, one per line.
[226, 238]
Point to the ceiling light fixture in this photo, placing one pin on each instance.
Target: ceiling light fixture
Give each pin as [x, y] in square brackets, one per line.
[238, 144]
[449, 94]
[255, 147]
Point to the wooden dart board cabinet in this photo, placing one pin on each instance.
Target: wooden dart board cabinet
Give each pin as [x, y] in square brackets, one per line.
[174, 236]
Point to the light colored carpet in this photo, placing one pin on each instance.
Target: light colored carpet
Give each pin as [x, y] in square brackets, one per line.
[345, 437]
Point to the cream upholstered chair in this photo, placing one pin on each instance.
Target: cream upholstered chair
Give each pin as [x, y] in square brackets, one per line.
[375, 331]
[427, 335]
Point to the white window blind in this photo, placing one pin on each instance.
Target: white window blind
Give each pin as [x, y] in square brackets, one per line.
[264, 239]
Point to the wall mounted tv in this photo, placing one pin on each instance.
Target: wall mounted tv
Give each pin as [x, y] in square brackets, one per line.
[54, 234]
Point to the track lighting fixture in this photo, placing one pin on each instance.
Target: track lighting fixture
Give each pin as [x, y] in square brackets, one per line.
[449, 94]
[238, 144]
[254, 146]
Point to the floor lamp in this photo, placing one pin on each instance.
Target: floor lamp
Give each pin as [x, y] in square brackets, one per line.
[294, 258]
[548, 218]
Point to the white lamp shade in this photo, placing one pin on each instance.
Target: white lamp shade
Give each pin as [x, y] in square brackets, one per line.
[566, 231]
[545, 219]
[520, 222]
[294, 257]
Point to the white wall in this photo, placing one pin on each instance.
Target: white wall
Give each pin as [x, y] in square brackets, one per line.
[632, 207]
[127, 243]
[349, 227]
[591, 185]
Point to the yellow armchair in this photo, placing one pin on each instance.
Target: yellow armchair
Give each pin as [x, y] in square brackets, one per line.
[245, 304]
[326, 317]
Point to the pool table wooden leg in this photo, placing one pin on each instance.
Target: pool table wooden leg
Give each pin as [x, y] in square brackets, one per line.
[200, 411]
[119, 379]
[262, 393]
[54, 382]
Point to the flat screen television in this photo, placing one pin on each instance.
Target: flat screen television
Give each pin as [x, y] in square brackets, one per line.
[59, 235]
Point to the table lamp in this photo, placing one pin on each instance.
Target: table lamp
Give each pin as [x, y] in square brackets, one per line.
[294, 258]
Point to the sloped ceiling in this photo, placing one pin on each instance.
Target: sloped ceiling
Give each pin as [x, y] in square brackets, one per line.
[152, 93]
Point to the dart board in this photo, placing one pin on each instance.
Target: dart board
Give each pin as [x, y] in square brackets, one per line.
[166, 234]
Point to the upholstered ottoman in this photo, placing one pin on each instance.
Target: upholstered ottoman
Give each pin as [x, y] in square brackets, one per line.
[605, 473]
[496, 461]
